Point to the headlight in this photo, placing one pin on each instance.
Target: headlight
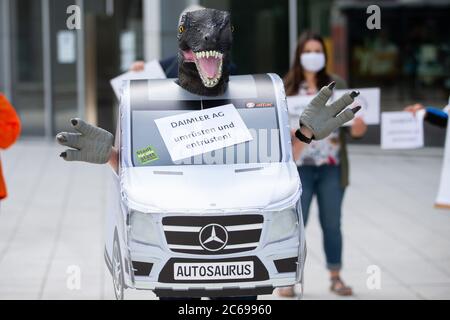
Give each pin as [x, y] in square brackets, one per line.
[283, 225]
[143, 228]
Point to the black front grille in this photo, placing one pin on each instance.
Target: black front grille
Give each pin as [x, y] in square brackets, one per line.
[233, 233]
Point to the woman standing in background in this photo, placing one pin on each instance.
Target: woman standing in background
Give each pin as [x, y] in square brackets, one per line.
[322, 165]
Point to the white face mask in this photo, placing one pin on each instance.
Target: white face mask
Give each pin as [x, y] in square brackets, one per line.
[312, 61]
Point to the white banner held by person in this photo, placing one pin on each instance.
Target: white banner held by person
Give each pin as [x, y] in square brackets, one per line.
[296, 106]
[197, 132]
[443, 198]
[368, 99]
[152, 70]
[401, 130]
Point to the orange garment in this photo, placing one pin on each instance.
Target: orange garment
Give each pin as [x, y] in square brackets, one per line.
[9, 132]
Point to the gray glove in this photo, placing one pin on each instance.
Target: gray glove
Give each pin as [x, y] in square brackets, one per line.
[322, 119]
[91, 144]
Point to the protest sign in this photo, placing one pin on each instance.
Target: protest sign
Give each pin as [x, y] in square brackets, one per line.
[401, 130]
[152, 70]
[296, 106]
[197, 132]
[368, 99]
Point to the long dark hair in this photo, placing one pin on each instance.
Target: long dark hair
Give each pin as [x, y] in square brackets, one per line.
[295, 76]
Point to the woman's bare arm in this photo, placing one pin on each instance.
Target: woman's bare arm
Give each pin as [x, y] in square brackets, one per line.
[297, 145]
[114, 159]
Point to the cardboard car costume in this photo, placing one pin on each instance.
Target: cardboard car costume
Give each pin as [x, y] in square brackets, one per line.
[210, 210]
[220, 223]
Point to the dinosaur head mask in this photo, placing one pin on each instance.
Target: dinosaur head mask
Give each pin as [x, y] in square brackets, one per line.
[204, 41]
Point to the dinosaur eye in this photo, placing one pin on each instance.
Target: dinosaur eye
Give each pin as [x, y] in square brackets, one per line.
[232, 28]
[181, 29]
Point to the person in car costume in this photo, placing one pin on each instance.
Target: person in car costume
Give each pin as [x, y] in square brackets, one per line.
[204, 44]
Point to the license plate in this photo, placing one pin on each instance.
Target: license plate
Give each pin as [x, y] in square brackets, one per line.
[213, 270]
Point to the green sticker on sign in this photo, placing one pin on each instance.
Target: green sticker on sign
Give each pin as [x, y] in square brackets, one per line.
[146, 155]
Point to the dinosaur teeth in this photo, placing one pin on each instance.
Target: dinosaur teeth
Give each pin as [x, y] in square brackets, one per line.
[208, 54]
[209, 82]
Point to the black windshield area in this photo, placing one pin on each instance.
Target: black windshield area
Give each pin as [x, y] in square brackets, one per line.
[252, 96]
[149, 149]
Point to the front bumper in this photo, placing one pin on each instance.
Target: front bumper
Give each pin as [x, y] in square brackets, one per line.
[276, 265]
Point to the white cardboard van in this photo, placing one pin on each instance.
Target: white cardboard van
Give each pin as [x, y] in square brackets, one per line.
[222, 223]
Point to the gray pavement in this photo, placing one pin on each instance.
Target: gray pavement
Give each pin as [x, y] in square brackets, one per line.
[53, 219]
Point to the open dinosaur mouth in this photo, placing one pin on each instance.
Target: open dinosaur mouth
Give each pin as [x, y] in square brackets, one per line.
[209, 65]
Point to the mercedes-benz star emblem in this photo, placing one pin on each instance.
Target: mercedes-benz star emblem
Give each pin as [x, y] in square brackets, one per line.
[213, 237]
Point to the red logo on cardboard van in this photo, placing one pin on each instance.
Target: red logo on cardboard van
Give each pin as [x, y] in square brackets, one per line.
[258, 105]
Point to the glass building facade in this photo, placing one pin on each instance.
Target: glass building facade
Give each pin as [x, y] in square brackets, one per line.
[52, 73]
